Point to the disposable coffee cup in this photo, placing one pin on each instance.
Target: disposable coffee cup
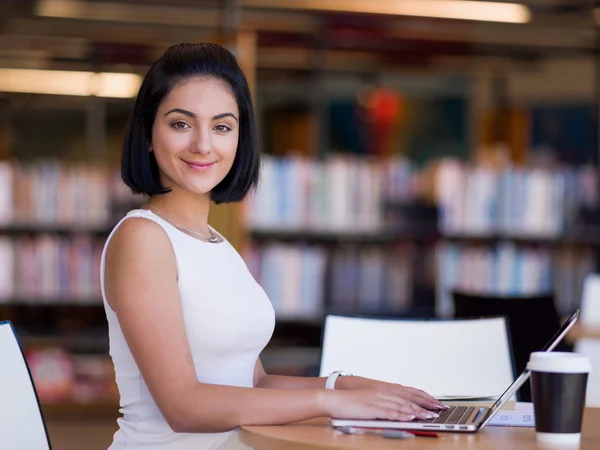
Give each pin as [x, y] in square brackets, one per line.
[558, 385]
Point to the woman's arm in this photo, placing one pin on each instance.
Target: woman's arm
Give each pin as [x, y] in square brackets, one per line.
[261, 379]
[141, 286]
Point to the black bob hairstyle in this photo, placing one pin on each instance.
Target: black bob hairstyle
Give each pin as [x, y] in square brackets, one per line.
[139, 169]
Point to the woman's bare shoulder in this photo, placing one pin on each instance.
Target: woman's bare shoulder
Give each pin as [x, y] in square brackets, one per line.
[138, 233]
[139, 253]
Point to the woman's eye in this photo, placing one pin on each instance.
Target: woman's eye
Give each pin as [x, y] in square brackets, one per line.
[179, 125]
[222, 128]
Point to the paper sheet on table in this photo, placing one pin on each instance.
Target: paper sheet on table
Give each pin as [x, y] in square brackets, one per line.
[521, 416]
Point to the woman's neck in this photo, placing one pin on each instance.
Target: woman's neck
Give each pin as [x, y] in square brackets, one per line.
[186, 209]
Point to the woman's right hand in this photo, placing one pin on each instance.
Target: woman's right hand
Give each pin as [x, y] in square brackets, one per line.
[372, 404]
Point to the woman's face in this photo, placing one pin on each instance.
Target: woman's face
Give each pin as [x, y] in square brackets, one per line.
[195, 135]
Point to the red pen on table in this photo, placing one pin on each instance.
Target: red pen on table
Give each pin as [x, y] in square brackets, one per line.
[387, 433]
[424, 433]
[415, 432]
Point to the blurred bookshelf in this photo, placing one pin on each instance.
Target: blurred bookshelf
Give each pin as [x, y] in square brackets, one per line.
[368, 251]
[366, 244]
[350, 234]
[55, 215]
[54, 219]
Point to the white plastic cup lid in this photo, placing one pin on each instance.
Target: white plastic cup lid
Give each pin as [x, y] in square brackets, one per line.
[559, 362]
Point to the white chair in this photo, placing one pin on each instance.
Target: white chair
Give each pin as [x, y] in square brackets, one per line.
[590, 317]
[591, 349]
[590, 301]
[22, 424]
[446, 358]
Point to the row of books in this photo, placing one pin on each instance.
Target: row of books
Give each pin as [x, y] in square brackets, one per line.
[372, 280]
[292, 276]
[340, 193]
[507, 270]
[61, 376]
[344, 193]
[301, 279]
[54, 193]
[50, 268]
[529, 202]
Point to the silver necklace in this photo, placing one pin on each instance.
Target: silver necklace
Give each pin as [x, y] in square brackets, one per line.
[212, 239]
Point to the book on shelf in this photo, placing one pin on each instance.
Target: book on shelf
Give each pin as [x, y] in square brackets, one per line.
[7, 268]
[6, 193]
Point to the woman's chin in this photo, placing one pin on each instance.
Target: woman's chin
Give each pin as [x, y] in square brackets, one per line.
[199, 190]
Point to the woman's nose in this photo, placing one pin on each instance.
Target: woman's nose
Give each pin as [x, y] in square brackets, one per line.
[201, 142]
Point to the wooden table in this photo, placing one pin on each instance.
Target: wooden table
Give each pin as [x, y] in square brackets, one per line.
[316, 435]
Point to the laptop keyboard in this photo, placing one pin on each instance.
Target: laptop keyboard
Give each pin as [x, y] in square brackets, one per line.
[455, 414]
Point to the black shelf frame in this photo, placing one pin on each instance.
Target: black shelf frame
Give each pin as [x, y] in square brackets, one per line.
[49, 302]
[38, 228]
[339, 237]
[387, 237]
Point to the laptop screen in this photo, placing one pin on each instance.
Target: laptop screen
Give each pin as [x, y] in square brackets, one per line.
[551, 345]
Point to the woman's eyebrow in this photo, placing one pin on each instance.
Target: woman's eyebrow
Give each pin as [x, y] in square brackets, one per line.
[193, 116]
[182, 111]
[228, 114]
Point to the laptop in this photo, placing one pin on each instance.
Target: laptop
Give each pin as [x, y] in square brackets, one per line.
[464, 418]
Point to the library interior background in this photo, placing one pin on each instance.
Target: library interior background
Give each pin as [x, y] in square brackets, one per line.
[406, 156]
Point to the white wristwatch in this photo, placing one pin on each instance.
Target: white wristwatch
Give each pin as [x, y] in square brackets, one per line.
[333, 376]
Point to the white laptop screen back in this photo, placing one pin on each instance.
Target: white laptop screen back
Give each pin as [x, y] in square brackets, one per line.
[522, 379]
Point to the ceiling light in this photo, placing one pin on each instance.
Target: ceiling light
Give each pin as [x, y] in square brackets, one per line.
[57, 82]
[126, 12]
[445, 9]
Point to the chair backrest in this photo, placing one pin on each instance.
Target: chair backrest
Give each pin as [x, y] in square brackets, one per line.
[22, 425]
[590, 316]
[446, 358]
[532, 322]
[590, 301]
[591, 349]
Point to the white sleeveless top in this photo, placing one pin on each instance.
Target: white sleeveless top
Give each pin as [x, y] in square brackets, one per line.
[228, 319]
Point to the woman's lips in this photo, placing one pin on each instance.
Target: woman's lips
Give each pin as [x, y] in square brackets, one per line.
[199, 166]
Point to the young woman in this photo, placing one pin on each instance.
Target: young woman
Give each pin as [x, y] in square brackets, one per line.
[187, 321]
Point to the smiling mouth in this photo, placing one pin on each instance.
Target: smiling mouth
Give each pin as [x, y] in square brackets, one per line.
[199, 166]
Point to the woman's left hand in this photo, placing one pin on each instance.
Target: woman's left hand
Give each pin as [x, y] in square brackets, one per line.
[417, 396]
